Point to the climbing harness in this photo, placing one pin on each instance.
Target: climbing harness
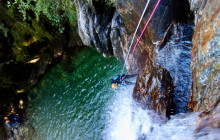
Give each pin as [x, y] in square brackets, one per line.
[135, 34]
[140, 38]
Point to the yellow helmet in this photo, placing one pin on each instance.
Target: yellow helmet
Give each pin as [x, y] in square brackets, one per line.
[114, 86]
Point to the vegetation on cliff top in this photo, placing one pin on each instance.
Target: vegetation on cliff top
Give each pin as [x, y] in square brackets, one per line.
[56, 11]
[27, 22]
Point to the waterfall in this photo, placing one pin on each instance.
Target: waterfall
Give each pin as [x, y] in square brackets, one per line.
[127, 120]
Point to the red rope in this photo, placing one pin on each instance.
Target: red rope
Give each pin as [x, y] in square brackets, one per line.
[141, 36]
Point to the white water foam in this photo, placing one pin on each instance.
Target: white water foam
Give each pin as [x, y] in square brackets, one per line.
[128, 121]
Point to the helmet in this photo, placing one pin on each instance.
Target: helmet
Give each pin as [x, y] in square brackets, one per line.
[114, 86]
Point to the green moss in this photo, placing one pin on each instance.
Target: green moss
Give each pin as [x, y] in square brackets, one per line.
[24, 34]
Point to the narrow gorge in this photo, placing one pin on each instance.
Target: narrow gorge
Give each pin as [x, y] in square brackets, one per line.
[54, 79]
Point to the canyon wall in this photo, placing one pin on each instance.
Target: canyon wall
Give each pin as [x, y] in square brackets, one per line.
[167, 33]
[178, 30]
[206, 55]
[182, 33]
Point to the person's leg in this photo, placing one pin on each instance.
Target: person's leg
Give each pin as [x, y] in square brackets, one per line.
[128, 83]
[129, 76]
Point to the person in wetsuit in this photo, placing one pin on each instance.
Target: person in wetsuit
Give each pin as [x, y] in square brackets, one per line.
[118, 79]
[12, 119]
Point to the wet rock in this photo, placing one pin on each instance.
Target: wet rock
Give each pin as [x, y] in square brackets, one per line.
[155, 90]
[205, 56]
[94, 24]
[209, 121]
[101, 26]
[131, 11]
[175, 56]
[119, 37]
[170, 28]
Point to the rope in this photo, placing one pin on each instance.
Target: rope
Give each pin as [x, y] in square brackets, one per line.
[140, 37]
[135, 34]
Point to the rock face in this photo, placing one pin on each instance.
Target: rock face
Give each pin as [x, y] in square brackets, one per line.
[167, 43]
[169, 32]
[205, 55]
[209, 119]
[94, 22]
[101, 26]
[155, 89]
[205, 66]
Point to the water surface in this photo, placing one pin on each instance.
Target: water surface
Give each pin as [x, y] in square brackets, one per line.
[70, 102]
[74, 101]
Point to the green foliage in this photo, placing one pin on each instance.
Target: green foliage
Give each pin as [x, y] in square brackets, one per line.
[20, 32]
[111, 2]
[55, 10]
[27, 23]
[4, 29]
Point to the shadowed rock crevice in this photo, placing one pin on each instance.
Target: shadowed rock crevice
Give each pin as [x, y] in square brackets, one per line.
[181, 11]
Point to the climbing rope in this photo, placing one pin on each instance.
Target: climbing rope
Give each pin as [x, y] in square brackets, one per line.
[140, 37]
[135, 34]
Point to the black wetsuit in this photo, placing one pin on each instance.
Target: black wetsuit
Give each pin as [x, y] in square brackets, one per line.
[13, 119]
[118, 79]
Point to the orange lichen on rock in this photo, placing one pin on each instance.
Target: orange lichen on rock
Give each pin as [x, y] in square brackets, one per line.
[204, 30]
[204, 60]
